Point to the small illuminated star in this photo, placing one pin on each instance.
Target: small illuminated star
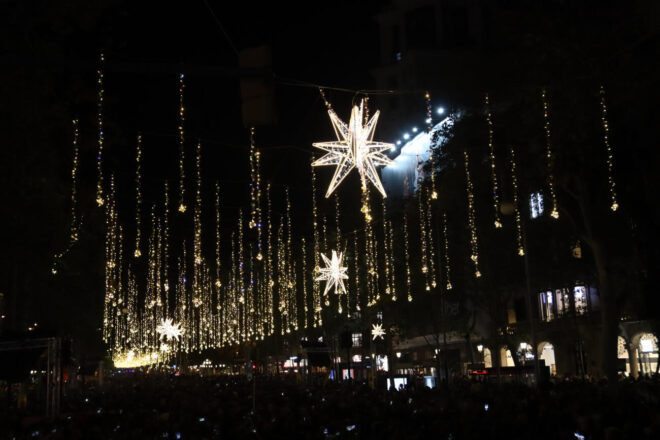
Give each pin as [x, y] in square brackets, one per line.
[168, 330]
[354, 148]
[377, 331]
[334, 274]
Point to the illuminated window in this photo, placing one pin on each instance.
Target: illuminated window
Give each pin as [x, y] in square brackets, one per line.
[546, 303]
[536, 204]
[563, 301]
[580, 298]
[357, 339]
[488, 359]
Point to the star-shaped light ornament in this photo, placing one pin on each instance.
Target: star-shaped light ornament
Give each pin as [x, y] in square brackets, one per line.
[354, 148]
[333, 274]
[377, 331]
[168, 330]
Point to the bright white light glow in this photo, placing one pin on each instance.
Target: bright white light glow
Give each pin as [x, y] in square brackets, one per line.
[333, 274]
[168, 330]
[536, 204]
[440, 110]
[377, 331]
[414, 129]
[406, 136]
[354, 148]
[398, 142]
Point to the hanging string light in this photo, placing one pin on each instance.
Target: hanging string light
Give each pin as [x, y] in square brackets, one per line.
[316, 291]
[166, 241]
[405, 238]
[493, 171]
[424, 265]
[138, 196]
[182, 171]
[392, 271]
[474, 245]
[447, 262]
[304, 281]
[197, 242]
[548, 155]
[431, 246]
[255, 192]
[608, 150]
[269, 264]
[357, 274]
[99, 120]
[218, 283]
[516, 207]
[73, 236]
[387, 253]
[429, 112]
[429, 128]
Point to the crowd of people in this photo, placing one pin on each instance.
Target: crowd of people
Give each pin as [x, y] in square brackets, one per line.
[159, 406]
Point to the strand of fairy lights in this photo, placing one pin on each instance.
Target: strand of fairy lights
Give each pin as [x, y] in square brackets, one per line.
[407, 255]
[316, 292]
[99, 120]
[387, 252]
[424, 266]
[493, 170]
[548, 155]
[197, 242]
[73, 236]
[429, 128]
[392, 271]
[218, 282]
[255, 192]
[182, 171]
[138, 196]
[281, 276]
[356, 266]
[269, 263]
[291, 274]
[608, 150]
[447, 261]
[338, 247]
[474, 245]
[304, 280]
[516, 207]
[431, 246]
[166, 242]
[75, 225]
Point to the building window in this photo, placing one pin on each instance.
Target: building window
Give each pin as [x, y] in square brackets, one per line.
[563, 301]
[536, 204]
[357, 339]
[546, 302]
[580, 298]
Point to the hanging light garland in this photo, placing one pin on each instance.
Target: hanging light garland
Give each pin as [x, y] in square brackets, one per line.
[197, 219]
[304, 280]
[255, 192]
[472, 223]
[447, 261]
[430, 246]
[548, 154]
[270, 283]
[408, 276]
[182, 171]
[73, 236]
[608, 150]
[166, 241]
[138, 196]
[356, 265]
[429, 129]
[493, 171]
[218, 282]
[316, 291]
[516, 207]
[99, 120]
[424, 265]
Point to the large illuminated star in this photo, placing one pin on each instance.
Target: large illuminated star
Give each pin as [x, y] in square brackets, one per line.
[377, 331]
[333, 274]
[168, 330]
[354, 148]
